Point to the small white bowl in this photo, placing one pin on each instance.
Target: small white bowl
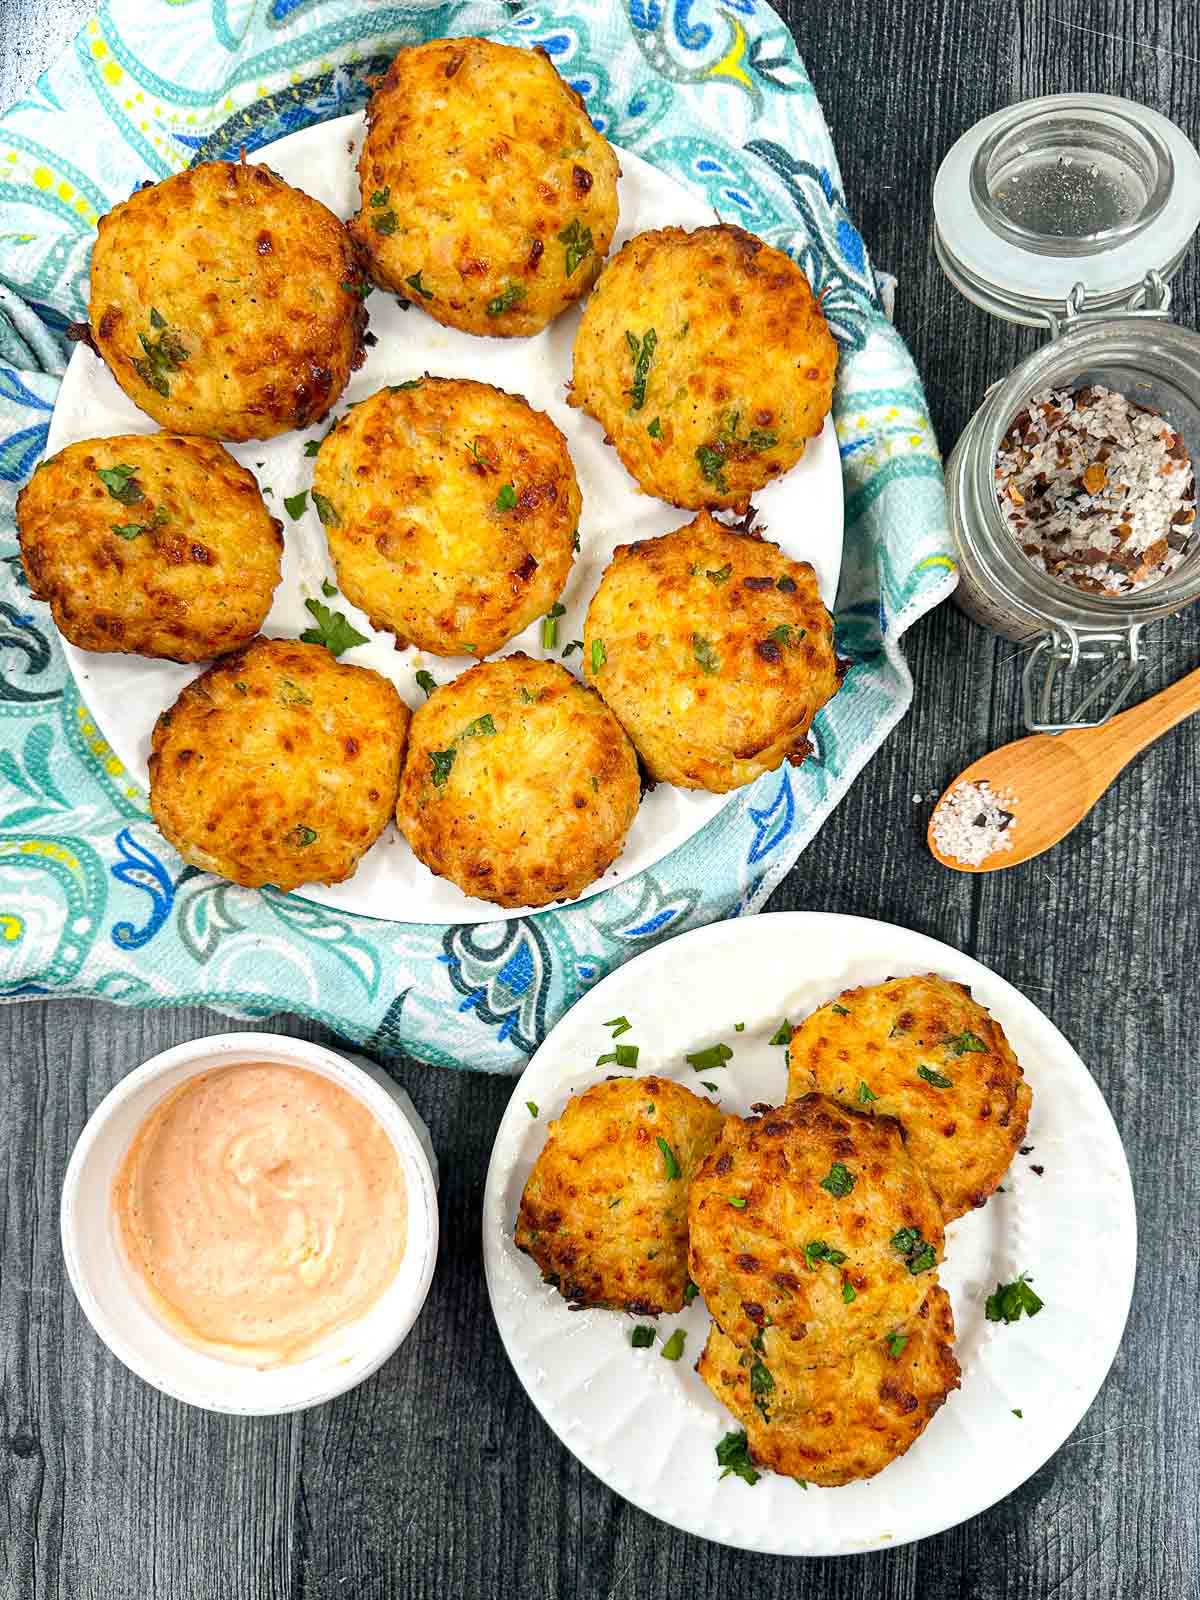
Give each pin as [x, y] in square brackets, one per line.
[119, 1309]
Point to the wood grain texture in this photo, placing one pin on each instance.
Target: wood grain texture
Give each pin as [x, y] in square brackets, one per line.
[436, 1478]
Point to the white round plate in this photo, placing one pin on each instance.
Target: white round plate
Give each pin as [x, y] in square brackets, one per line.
[802, 512]
[648, 1427]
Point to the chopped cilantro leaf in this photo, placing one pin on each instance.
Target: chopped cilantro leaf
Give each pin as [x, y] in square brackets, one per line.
[296, 504]
[312, 448]
[507, 498]
[414, 282]
[839, 1181]
[918, 1254]
[642, 351]
[385, 223]
[381, 197]
[965, 1043]
[865, 1094]
[841, 1011]
[332, 629]
[324, 508]
[709, 1059]
[654, 429]
[761, 1384]
[1011, 1300]
[895, 1344]
[505, 300]
[670, 1164]
[816, 1251]
[300, 836]
[849, 1293]
[937, 1079]
[578, 242]
[482, 728]
[705, 654]
[570, 646]
[122, 484]
[426, 681]
[787, 636]
[783, 1033]
[441, 761]
[1017, 1413]
[328, 589]
[711, 1087]
[733, 1455]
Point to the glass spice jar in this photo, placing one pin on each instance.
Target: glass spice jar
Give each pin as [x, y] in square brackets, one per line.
[1071, 213]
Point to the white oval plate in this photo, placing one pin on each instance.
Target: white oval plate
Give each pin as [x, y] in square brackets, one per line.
[802, 511]
[648, 1427]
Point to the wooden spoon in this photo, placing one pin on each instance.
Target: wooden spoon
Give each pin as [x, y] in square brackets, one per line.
[1054, 780]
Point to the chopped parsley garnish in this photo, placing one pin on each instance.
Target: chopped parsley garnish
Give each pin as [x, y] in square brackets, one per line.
[414, 282]
[737, 1201]
[787, 636]
[782, 1034]
[711, 1087]
[619, 1025]
[849, 1293]
[385, 223]
[570, 646]
[895, 1344]
[380, 198]
[296, 504]
[332, 629]
[507, 498]
[673, 1348]
[709, 1059]
[733, 1455]
[426, 681]
[482, 728]
[164, 354]
[839, 1181]
[1011, 1300]
[642, 351]
[300, 836]
[816, 1251]
[690, 1291]
[670, 1164]
[761, 1384]
[550, 625]
[624, 1055]
[441, 761]
[291, 694]
[599, 655]
[918, 1253]
[328, 589]
[324, 508]
[642, 1336]
[841, 1011]
[728, 446]
[937, 1079]
[531, 1107]
[1017, 1413]
[312, 448]
[964, 1043]
[122, 484]
[712, 467]
[132, 530]
[865, 1093]
[505, 300]
[654, 429]
[705, 654]
[578, 241]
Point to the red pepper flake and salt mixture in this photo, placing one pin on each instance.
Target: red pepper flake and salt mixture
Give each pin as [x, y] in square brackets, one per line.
[972, 823]
[1099, 492]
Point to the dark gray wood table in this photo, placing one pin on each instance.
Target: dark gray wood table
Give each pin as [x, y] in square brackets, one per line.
[437, 1479]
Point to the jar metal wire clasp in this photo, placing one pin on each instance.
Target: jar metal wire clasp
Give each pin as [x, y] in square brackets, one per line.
[1151, 299]
[1061, 652]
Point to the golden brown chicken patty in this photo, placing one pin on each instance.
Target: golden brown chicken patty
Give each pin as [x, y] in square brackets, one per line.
[519, 785]
[814, 1223]
[923, 1051]
[488, 198]
[604, 1213]
[833, 1425]
[707, 362]
[278, 765]
[150, 544]
[451, 510]
[714, 650]
[225, 302]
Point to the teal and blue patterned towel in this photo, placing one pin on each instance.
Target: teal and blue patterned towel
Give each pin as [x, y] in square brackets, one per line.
[92, 900]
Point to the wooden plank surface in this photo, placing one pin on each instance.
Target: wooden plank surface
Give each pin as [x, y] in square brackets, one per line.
[436, 1478]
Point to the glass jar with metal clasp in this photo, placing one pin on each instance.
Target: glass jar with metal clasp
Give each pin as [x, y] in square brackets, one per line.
[1070, 213]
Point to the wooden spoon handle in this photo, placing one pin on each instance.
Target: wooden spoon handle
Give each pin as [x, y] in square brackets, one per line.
[1118, 741]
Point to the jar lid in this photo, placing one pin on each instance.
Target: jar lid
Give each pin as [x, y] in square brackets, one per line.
[1069, 190]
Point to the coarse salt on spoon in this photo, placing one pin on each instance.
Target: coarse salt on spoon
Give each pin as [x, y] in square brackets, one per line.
[1046, 784]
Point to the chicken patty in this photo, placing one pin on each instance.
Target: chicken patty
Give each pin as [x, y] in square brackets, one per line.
[226, 303]
[715, 651]
[451, 510]
[814, 1223]
[835, 1425]
[923, 1051]
[706, 359]
[604, 1213]
[279, 765]
[519, 785]
[150, 544]
[488, 198]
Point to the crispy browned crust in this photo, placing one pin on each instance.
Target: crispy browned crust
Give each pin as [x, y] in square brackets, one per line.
[195, 582]
[532, 812]
[835, 1425]
[248, 292]
[478, 157]
[600, 1214]
[715, 651]
[270, 746]
[758, 1201]
[452, 512]
[741, 374]
[962, 1136]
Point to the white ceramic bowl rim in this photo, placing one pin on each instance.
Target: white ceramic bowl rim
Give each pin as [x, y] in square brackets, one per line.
[121, 1315]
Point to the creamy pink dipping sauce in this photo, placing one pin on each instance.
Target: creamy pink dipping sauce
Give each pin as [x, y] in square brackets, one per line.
[263, 1207]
